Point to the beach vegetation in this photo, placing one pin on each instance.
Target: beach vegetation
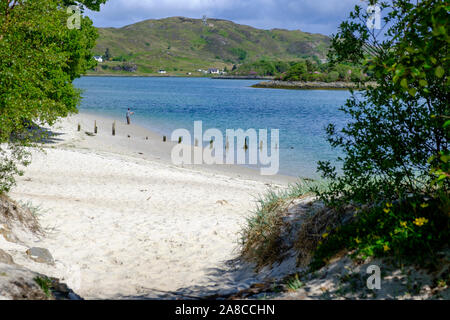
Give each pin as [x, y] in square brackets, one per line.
[45, 284]
[395, 168]
[262, 238]
[40, 56]
[390, 196]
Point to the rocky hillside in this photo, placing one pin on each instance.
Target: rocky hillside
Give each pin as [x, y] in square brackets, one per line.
[182, 45]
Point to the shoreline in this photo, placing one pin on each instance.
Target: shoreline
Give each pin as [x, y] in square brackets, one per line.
[301, 85]
[153, 148]
[122, 222]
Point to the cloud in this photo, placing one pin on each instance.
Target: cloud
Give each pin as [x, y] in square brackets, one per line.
[316, 16]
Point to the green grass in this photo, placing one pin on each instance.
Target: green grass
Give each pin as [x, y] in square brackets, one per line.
[261, 238]
[45, 284]
[294, 283]
[36, 211]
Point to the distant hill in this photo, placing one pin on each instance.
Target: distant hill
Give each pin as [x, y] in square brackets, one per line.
[182, 45]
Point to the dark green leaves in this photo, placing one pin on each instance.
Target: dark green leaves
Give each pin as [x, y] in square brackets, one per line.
[392, 133]
[39, 58]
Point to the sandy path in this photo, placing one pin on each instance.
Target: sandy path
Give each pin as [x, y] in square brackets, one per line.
[123, 226]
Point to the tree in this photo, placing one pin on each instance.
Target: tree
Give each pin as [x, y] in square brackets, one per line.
[39, 59]
[332, 76]
[107, 55]
[395, 168]
[397, 126]
[297, 72]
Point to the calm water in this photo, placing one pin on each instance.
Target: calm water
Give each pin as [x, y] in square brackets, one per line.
[166, 104]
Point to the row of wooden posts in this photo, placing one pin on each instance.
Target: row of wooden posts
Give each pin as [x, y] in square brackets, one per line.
[180, 139]
[211, 143]
[96, 128]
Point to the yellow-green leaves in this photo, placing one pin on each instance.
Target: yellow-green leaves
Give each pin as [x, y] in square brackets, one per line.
[439, 72]
[404, 83]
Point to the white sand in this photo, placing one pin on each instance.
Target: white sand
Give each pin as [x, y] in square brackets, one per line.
[124, 222]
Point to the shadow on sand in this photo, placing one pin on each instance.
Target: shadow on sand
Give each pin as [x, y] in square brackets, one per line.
[224, 283]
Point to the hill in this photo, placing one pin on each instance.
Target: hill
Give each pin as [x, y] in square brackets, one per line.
[181, 45]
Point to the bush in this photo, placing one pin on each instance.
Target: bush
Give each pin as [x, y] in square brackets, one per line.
[396, 150]
[332, 76]
[297, 72]
[12, 156]
[413, 231]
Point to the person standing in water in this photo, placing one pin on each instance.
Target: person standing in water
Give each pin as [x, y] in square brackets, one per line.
[129, 114]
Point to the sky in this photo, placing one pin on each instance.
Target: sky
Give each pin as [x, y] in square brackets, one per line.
[315, 16]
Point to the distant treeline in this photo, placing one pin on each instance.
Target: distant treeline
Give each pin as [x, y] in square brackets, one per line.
[310, 69]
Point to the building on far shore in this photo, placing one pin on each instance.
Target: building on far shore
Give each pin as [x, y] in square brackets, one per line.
[162, 71]
[213, 71]
[98, 58]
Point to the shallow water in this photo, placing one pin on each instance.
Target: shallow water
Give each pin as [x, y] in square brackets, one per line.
[166, 104]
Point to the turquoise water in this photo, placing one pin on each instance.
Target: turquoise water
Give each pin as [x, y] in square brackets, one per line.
[166, 104]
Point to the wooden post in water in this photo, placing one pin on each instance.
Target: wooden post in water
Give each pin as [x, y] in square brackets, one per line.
[211, 143]
[95, 127]
[164, 138]
[245, 144]
[196, 143]
[261, 145]
[227, 145]
[180, 139]
[79, 127]
[114, 128]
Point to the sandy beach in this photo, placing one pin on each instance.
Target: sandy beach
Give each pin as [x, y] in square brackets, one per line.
[123, 222]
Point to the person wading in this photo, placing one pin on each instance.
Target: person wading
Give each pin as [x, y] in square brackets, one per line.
[129, 114]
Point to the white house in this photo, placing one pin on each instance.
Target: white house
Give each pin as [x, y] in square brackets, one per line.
[98, 58]
[213, 71]
[162, 71]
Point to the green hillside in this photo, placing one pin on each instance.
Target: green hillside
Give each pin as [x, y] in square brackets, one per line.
[183, 45]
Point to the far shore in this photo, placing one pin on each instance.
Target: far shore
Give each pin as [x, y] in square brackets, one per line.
[312, 85]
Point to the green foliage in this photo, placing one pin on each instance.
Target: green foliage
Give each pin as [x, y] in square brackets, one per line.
[396, 146]
[311, 70]
[107, 56]
[296, 73]
[39, 59]
[412, 231]
[45, 284]
[11, 155]
[90, 4]
[398, 125]
[332, 76]
[294, 283]
[262, 68]
[261, 239]
[240, 53]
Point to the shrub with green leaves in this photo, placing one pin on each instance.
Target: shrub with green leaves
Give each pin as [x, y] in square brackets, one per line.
[397, 126]
[412, 230]
[396, 146]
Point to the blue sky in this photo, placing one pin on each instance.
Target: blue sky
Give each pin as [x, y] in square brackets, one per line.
[315, 16]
